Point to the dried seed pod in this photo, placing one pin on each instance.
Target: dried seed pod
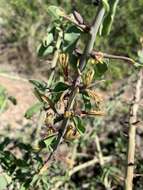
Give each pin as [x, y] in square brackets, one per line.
[71, 133]
[87, 80]
[49, 119]
[93, 94]
[50, 131]
[63, 59]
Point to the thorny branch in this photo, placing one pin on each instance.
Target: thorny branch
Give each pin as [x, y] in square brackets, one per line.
[132, 133]
[88, 48]
[95, 54]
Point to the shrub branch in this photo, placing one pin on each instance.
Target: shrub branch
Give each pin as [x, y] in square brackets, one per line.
[88, 48]
[132, 133]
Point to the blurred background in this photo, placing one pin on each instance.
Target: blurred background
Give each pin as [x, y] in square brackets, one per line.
[23, 24]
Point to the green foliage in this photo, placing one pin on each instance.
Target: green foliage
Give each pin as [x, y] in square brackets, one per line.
[4, 97]
[33, 110]
[79, 125]
[108, 20]
[64, 37]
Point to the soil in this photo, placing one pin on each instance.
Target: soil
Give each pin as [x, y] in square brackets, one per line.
[22, 91]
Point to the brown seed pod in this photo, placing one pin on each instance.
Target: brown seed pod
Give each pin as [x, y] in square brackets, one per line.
[87, 80]
[71, 133]
[63, 59]
[49, 119]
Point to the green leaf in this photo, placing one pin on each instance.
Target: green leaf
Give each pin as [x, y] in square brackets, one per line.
[48, 141]
[86, 100]
[109, 18]
[43, 51]
[79, 125]
[3, 182]
[56, 96]
[140, 56]
[41, 85]
[48, 39]
[60, 87]
[33, 110]
[71, 37]
[48, 51]
[100, 69]
[55, 12]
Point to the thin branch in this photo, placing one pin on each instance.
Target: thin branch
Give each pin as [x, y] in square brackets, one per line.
[132, 134]
[95, 54]
[7, 75]
[100, 154]
[110, 56]
[88, 48]
[82, 167]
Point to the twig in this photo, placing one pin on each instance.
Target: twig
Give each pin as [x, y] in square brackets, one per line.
[82, 167]
[13, 77]
[94, 54]
[100, 154]
[110, 56]
[88, 48]
[132, 134]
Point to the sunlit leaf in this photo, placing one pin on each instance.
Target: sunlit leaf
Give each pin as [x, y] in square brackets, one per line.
[48, 141]
[108, 20]
[3, 182]
[55, 12]
[33, 110]
[48, 39]
[71, 37]
[140, 56]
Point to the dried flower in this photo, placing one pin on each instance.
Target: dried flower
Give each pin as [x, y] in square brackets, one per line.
[87, 80]
[71, 133]
[93, 94]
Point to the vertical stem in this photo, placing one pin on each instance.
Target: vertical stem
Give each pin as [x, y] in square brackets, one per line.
[132, 134]
[92, 36]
